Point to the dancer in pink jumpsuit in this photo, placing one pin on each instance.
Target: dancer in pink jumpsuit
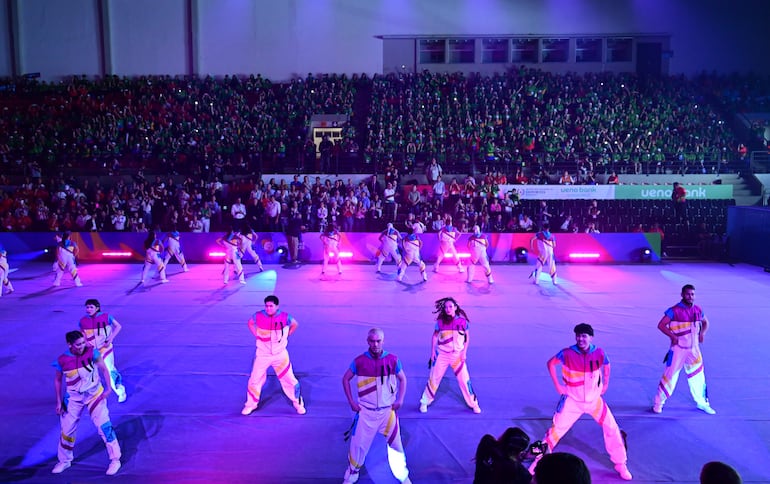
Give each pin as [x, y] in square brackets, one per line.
[381, 385]
[272, 328]
[66, 255]
[84, 391]
[546, 243]
[478, 245]
[685, 325]
[449, 346]
[5, 283]
[585, 371]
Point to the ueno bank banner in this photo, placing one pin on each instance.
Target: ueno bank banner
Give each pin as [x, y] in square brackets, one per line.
[616, 192]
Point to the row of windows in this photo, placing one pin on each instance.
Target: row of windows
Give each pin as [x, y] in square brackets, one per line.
[525, 50]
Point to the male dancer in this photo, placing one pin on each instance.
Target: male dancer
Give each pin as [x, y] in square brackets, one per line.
[248, 239]
[231, 243]
[4, 270]
[272, 328]
[585, 378]
[685, 325]
[447, 237]
[100, 330]
[381, 384]
[153, 257]
[66, 252]
[173, 247]
[389, 239]
[331, 246]
[78, 366]
[412, 245]
[478, 244]
[546, 243]
[449, 346]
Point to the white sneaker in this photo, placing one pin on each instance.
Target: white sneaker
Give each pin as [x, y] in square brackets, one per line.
[622, 470]
[435, 268]
[555, 280]
[242, 282]
[121, 394]
[300, 408]
[60, 467]
[707, 408]
[423, 408]
[114, 467]
[78, 284]
[491, 280]
[476, 409]
[425, 276]
[164, 281]
[657, 408]
[247, 409]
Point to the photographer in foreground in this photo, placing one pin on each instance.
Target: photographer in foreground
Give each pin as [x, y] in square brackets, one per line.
[500, 461]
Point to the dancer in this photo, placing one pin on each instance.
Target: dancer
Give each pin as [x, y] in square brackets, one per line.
[153, 257]
[66, 254]
[4, 271]
[331, 247]
[247, 241]
[447, 237]
[585, 373]
[272, 327]
[381, 383]
[80, 365]
[100, 330]
[173, 247]
[685, 325]
[389, 240]
[412, 245]
[546, 243]
[231, 243]
[478, 244]
[449, 347]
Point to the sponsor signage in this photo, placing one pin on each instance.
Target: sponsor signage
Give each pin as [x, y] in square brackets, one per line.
[616, 192]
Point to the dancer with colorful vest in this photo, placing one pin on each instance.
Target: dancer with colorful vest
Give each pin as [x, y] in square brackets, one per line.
[412, 245]
[5, 283]
[389, 241]
[447, 237]
[477, 245]
[546, 243]
[585, 377]
[231, 243]
[380, 382]
[331, 247]
[449, 346]
[100, 330]
[248, 239]
[272, 327]
[174, 248]
[80, 366]
[153, 256]
[685, 325]
[66, 254]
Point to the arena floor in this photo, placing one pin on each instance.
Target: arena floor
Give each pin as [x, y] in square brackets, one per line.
[185, 353]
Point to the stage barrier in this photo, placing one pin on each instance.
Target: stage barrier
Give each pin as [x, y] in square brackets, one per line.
[355, 246]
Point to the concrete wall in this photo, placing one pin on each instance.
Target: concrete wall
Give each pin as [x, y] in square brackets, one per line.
[280, 39]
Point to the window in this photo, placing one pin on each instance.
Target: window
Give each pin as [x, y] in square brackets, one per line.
[619, 49]
[588, 50]
[555, 50]
[462, 51]
[432, 51]
[524, 51]
[494, 51]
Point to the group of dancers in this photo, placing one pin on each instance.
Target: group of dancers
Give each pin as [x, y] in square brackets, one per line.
[238, 243]
[378, 380]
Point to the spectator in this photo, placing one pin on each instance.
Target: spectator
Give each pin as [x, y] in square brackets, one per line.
[716, 472]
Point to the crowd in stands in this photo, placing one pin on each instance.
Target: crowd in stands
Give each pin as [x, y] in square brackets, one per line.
[74, 155]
